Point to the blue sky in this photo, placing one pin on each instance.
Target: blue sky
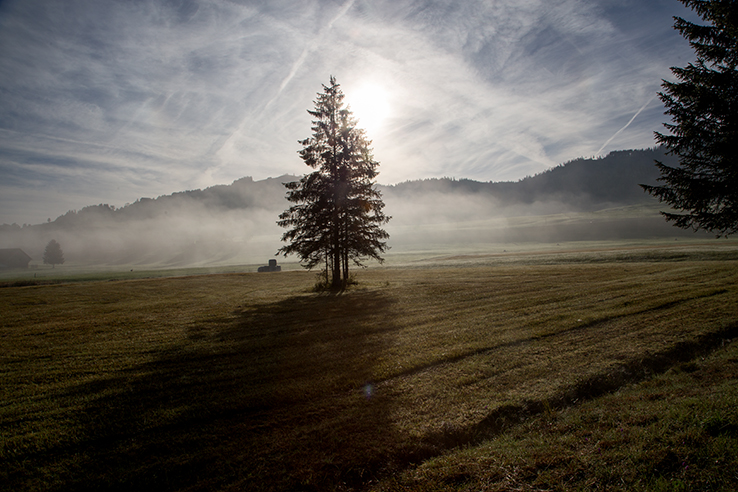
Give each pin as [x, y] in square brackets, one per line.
[106, 101]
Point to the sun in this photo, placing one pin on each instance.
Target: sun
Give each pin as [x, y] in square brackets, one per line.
[370, 105]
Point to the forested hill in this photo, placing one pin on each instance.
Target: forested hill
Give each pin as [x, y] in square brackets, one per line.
[244, 193]
[237, 222]
[582, 184]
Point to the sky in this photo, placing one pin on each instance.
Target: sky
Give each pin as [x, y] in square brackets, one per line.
[107, 101]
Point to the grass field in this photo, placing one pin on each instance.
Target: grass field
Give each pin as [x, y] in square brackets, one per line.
[580, 370]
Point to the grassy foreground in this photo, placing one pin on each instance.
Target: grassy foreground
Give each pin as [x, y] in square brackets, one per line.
[477, 377]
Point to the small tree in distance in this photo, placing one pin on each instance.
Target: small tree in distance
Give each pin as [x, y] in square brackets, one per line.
[337, 214]
[704, 132]
[53, 254]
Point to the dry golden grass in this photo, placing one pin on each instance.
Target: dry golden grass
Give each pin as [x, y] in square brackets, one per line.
[250, 381]
[677, 431]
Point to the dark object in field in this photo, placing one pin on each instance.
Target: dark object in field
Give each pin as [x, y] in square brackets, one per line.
[272, 267]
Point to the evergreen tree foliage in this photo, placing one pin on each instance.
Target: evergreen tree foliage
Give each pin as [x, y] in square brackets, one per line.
[703, 104]
[53, 254]
[337, 214]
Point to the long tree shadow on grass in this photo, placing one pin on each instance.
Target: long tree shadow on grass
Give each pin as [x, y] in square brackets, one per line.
[276, 396]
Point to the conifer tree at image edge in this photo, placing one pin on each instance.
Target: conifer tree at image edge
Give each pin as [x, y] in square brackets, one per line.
[337, 214]
[703, 105]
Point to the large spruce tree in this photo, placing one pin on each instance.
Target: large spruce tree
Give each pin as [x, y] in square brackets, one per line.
[337, 214]
[704, 133]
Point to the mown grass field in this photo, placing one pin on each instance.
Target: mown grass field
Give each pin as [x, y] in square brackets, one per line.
[581, 371]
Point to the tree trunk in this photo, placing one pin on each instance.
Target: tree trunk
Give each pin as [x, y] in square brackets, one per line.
[344, 260]
[336, 283]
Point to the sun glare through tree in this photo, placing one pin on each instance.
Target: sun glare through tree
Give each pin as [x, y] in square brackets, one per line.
[337, 214]
[370, 105]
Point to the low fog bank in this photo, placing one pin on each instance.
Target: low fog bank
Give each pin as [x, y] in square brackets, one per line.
[459, 221]
[233, 224]
[584, 200]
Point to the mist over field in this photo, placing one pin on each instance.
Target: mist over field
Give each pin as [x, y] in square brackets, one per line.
[218, 225]
[583, 200]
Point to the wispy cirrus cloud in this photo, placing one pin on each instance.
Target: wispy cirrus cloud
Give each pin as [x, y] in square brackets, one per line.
[111, 100]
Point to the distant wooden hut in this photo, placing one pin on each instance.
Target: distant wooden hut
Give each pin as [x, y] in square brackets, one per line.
[12, 258]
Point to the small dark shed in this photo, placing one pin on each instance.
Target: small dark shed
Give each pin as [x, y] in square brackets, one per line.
[272, 267]
[13, 258]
